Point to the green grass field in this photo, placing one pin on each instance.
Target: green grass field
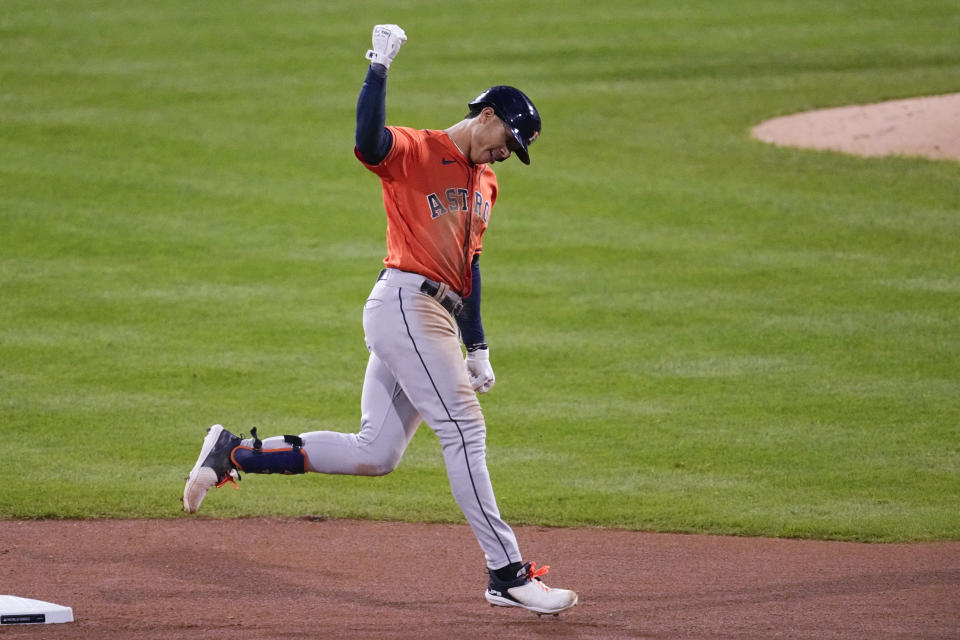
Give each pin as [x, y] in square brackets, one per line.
[692, 331]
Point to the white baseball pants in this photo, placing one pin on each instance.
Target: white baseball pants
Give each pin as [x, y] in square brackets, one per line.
[416, 373]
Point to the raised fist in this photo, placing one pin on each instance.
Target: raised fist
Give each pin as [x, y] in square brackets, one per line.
[387, 40]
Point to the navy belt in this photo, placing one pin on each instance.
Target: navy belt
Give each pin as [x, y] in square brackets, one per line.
[450, 302]
[448, 299]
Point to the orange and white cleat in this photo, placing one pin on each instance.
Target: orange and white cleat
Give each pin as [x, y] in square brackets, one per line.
[529, 592]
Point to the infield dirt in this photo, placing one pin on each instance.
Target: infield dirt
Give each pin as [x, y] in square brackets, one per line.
[196, 577]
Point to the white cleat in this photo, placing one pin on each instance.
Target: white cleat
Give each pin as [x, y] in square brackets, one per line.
[213, 468]
[529, 592]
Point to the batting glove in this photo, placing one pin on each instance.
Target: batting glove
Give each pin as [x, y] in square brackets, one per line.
[479, 370]
[387, 40]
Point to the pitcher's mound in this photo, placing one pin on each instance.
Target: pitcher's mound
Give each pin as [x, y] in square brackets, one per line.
[927, 127]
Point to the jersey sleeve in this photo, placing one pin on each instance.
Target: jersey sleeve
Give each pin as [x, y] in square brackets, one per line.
[405, 151]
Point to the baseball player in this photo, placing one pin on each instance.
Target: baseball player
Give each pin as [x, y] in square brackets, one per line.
[438, 190]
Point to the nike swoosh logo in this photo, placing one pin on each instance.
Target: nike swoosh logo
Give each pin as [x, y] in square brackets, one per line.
[445, 161]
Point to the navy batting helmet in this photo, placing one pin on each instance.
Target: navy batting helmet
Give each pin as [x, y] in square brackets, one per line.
[513, 107]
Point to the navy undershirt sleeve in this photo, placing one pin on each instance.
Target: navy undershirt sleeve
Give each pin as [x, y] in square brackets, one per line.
[471, 328]
[372, 138]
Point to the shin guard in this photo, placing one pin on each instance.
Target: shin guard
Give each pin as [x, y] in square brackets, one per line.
[288, 460]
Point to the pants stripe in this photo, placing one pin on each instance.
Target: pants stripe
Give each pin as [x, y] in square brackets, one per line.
[460, 431]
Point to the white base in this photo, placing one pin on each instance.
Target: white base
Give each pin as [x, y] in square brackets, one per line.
[14, 610]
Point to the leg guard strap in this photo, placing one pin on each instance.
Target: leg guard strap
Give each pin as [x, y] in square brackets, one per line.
[288, 461]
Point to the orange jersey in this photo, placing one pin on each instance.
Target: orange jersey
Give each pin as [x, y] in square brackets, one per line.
[433, 195]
